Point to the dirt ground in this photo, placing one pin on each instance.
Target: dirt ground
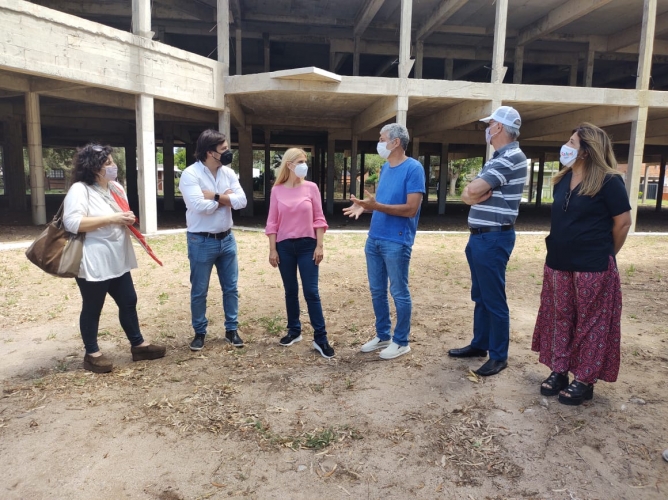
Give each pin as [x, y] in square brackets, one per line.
[269, 422]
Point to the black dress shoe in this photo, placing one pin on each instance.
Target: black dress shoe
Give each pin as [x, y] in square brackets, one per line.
[467, 352]
[492, 367]
[233, 338]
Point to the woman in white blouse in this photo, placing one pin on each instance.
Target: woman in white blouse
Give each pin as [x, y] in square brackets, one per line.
[108, 256]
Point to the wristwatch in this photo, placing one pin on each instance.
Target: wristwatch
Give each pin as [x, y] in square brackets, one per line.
[216, 197]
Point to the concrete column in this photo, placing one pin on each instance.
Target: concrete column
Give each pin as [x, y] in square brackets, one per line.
[224, 119]
[148, 213]
[443, 179]
[402, 102]
[190, 153]
[356, 57]
[34, 129]
[237, 38]
[315, 159]
[405, 63]
[361, 195]
[331, 150]
[449, 69]
[539, 181]
[345, 175]
[353, 166]
[419, 57]
[15, 178]
[573, 75]
[267, 168]
[223, 35]
[530, 197]
[168, 167]
[490, 148]
[246, 167]
[636, 149]
[131, 182]
[646, 45]
[498, 69]
[323, 171]
[589, 67]
[519, 64]
[660, 184]
[267, 52]
[644, 184]
[141, 18]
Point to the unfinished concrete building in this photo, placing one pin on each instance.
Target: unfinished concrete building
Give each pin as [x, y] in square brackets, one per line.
[323, 74]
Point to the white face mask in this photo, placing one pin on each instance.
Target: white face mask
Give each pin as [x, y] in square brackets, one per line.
[489, 135]
[568, 155]
[110, 172]
[301, 169]
[383, 152]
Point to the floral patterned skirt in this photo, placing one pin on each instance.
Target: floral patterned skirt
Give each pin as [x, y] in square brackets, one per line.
[578, 328]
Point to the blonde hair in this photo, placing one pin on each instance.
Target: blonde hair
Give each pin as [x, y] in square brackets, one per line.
[599, 160]
[288, 157]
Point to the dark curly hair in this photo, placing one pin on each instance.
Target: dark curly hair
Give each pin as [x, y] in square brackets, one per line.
[88, 161]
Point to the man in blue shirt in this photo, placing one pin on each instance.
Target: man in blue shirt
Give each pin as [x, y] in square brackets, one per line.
[494, 196]
[396, 209]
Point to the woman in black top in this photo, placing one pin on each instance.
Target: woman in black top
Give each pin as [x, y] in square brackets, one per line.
[578, 325]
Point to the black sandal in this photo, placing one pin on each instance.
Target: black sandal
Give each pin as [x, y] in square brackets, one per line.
[577, 393]
[554, 384]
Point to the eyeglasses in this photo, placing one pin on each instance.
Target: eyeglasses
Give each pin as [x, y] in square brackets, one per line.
[567, 200]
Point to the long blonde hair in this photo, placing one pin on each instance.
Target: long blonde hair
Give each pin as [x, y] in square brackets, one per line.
[599, 160]
[289, 156]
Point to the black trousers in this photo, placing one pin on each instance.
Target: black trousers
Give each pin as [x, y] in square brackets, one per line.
[93, 294]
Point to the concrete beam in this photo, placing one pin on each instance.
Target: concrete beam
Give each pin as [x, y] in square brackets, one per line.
[237, 115]
[380, 111]
[558, 17]
[631, 36]
[365, 15]
[444, 11]
[602, 116]
[87, 53]
[460, 114]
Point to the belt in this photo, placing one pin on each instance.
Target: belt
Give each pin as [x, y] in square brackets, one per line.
[490, 229]
[216, 236]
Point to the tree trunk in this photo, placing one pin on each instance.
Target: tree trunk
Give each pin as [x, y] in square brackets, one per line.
[454, 175]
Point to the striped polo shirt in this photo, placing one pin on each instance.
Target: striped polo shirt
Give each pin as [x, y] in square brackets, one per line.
[506, 172]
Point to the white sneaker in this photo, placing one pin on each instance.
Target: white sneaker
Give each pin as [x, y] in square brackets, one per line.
[374, 344]
[394, 351]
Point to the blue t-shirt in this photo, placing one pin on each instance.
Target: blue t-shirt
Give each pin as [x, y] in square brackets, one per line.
[394, 186]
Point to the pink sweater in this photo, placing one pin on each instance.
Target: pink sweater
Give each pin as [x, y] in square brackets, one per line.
[295, 212]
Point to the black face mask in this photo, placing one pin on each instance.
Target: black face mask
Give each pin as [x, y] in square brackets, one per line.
[226, 157]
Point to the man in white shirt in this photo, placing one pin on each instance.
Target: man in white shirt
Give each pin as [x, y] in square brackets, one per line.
[211, 190]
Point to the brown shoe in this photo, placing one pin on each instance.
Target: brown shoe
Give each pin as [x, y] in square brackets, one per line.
[99, 364]
[151, 351]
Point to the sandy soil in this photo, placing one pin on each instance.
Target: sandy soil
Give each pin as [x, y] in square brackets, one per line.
[269, 422]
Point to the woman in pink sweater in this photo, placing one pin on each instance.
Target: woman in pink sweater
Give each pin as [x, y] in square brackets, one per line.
[296, 227]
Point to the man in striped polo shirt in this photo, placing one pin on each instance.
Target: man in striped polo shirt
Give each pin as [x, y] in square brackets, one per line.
[494, 196]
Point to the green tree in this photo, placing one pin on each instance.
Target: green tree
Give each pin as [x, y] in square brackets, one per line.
[180, 159]
[458, 170]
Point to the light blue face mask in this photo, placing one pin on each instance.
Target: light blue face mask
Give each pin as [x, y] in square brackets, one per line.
[382, 150]
[301, 169]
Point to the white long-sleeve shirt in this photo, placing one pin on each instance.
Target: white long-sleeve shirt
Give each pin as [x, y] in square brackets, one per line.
[206, 216]
[107, 251]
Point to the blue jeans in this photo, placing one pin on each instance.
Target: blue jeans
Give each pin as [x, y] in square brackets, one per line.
[204, 253]
[293, 254]
[389, 260]
[488, 255]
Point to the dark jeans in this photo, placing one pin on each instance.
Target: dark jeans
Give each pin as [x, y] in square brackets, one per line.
[488, 255]
[296, 254]
[93, 293]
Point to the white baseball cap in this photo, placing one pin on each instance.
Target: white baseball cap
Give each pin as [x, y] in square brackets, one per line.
[505, 115]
